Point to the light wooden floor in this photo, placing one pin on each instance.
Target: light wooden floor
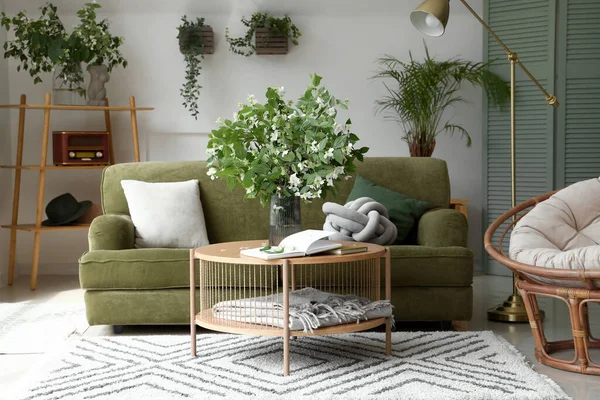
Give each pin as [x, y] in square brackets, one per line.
[489, 291]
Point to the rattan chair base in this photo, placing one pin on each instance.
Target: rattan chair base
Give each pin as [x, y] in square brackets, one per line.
[528, 283]
[577, 301]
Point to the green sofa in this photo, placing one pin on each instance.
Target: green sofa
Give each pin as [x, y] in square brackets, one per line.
[431, 277]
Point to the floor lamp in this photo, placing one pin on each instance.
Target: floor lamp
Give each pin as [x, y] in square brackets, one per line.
[431, 18]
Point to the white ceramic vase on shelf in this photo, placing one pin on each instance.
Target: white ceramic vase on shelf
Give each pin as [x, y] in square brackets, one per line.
[96, 91]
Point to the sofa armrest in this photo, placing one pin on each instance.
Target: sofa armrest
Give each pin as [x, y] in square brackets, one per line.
[111, 232]
[442, 228]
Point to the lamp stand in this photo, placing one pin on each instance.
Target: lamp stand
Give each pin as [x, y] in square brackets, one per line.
[431, 18]
[513, 309]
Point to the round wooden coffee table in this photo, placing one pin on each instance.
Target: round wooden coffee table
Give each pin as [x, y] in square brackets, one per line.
[226, 276]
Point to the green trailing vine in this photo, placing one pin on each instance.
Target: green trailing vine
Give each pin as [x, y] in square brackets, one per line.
[191, 45]
[276, 26]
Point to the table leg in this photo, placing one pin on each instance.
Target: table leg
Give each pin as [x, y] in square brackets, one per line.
[193, 303]
[388, 296]
[286, 319]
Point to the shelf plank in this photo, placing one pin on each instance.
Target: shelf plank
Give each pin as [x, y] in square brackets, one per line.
[53, 167]
[74, 108]
[33, 228]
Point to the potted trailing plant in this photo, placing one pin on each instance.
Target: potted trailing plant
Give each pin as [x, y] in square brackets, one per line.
[281, 152]
[42, 45]
[271, 35]
[421, 91]
[195, 40]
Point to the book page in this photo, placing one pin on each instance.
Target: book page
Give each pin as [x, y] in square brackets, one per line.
[301, 241]
[321, 245]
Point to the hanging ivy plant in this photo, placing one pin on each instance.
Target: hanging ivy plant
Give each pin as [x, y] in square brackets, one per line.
[275, 26]
[192, 45]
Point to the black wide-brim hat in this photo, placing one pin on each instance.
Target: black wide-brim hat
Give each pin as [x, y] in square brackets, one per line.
[65, 209]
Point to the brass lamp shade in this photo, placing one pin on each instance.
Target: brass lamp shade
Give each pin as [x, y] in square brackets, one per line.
[431, 17]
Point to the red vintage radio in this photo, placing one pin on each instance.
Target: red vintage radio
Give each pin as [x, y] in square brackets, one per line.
[80, 148]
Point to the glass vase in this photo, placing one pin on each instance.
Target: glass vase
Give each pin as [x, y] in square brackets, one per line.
[68, 85]
[284, 218]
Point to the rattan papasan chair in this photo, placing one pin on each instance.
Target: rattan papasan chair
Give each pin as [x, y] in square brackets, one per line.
[555, 252]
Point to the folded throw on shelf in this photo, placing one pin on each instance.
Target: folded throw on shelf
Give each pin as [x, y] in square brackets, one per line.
[309, 309]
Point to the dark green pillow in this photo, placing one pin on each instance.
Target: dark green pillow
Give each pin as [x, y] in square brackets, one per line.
[403, 210]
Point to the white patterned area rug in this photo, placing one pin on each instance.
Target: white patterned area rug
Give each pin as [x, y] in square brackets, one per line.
[30, 327]
[424, 365]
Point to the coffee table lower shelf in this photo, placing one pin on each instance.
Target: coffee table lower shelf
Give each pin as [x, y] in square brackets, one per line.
[206, 320]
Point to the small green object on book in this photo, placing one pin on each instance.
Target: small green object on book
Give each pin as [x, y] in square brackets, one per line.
[272, 250]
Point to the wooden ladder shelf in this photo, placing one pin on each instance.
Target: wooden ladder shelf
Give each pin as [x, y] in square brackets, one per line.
[37, 227]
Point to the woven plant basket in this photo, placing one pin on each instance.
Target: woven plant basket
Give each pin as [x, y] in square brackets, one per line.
[267, 44]
[197, 40]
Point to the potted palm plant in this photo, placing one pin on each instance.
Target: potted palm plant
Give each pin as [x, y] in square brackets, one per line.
[420, 92]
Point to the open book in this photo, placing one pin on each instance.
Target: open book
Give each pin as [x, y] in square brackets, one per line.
[299, 244]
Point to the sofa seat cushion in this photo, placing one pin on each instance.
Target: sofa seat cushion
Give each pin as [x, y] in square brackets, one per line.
[147, 269]
[431, 266]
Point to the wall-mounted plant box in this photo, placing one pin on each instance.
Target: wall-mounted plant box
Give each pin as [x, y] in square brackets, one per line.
[208, 37]
[191, 34]
[267, 44]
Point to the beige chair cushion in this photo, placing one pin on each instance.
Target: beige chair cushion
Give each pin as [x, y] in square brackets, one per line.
[562, 232]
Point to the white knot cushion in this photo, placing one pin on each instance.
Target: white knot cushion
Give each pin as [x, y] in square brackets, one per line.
[562, 232]
[361, 220]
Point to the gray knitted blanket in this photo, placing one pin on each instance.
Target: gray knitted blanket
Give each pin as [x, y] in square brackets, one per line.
[309, 309]
[361, 220]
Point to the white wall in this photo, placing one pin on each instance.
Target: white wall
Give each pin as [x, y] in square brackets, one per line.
[5, 158]
[341, 39]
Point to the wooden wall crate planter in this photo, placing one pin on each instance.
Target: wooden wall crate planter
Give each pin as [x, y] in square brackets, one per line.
[267, 44]
[208, 39]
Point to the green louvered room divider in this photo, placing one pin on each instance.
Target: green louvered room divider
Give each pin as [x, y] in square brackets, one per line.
[559, 42]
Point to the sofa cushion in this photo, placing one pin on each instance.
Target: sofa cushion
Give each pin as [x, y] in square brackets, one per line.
[166, 214]
[403, 210]
[146, 269]
[430, 266]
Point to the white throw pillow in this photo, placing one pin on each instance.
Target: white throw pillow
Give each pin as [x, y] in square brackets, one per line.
[166, 214]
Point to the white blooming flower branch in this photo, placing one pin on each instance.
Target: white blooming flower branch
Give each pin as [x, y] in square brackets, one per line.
[285, 148]
[41, 45]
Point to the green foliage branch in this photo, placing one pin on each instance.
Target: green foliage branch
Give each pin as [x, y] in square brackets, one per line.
[285, 148]
[42, 44]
